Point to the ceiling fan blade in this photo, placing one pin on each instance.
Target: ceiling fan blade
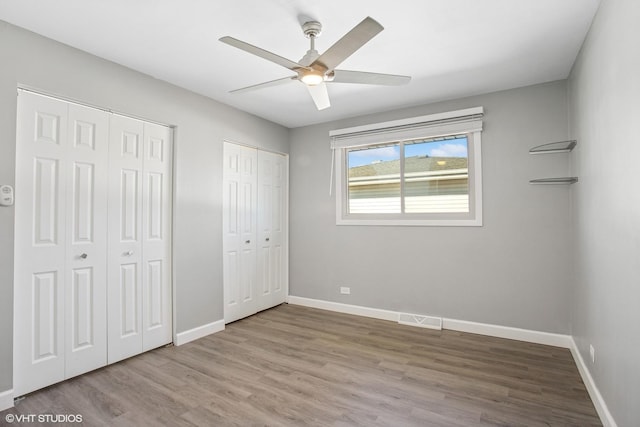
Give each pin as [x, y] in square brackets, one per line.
[363, 77]
[320, 96]
[265, 54]
[349, 43]
[276, 82]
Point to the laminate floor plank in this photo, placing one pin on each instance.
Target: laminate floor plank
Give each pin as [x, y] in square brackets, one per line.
[292, 366]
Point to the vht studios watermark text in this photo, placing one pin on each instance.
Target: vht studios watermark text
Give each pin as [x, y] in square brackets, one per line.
[43, 418]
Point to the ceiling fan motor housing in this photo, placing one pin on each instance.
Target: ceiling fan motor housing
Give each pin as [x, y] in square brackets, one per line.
[309, 57]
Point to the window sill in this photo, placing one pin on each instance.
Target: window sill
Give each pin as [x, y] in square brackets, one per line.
[475, 222]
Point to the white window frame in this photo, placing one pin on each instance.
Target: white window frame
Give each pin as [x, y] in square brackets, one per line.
[466, 121]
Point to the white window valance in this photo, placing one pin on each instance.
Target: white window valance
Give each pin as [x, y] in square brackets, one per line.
[431, 126]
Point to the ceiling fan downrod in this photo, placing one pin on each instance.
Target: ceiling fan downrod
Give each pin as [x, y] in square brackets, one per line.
[311, 30]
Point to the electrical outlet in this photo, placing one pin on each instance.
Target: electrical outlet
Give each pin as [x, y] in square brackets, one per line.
[592, 353]
[345, 290]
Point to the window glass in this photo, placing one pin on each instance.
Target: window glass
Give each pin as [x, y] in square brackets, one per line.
[374, 180]
[436, 176]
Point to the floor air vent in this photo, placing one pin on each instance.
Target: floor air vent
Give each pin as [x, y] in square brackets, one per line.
[420, 321]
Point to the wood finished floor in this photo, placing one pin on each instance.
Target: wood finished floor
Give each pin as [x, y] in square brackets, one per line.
[293, 365]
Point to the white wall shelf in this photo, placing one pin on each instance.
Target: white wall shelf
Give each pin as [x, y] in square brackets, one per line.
[554, 148]
[562, 180]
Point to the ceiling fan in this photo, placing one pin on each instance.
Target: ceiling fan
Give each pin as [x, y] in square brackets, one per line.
[314, 70]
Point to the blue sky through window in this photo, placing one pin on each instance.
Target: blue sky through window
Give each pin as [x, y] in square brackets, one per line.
[446, 148]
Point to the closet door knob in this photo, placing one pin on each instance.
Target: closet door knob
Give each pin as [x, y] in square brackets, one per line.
[247, 241]
[267, 239]
[128, 253]
[83, 256]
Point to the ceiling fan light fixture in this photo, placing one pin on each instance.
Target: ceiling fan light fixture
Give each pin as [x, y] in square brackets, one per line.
[312, 78]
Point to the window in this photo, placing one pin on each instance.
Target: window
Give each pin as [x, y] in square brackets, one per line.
[424, 176]
[421, 171]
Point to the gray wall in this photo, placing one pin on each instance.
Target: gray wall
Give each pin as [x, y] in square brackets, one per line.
[513, 271]
[202, 124]
[604, 98]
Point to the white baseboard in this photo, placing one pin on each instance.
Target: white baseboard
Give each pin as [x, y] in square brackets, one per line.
[527, 335]
[6, 400]
[357, 310]
[594, 393]
[557, 340]
[199, 332]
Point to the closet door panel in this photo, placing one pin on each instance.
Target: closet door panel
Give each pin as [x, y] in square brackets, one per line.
[156, 237]
[264, 212]
[280, 238]
[272, 219]
[40, 242]
[86, 250]
[125, 238]
[239, 231]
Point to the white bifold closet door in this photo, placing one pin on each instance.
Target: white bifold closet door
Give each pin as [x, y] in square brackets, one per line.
[63, 255]
[255, 249]
[139, 297]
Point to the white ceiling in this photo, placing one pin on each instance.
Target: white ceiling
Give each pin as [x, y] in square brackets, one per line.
[451, 48]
